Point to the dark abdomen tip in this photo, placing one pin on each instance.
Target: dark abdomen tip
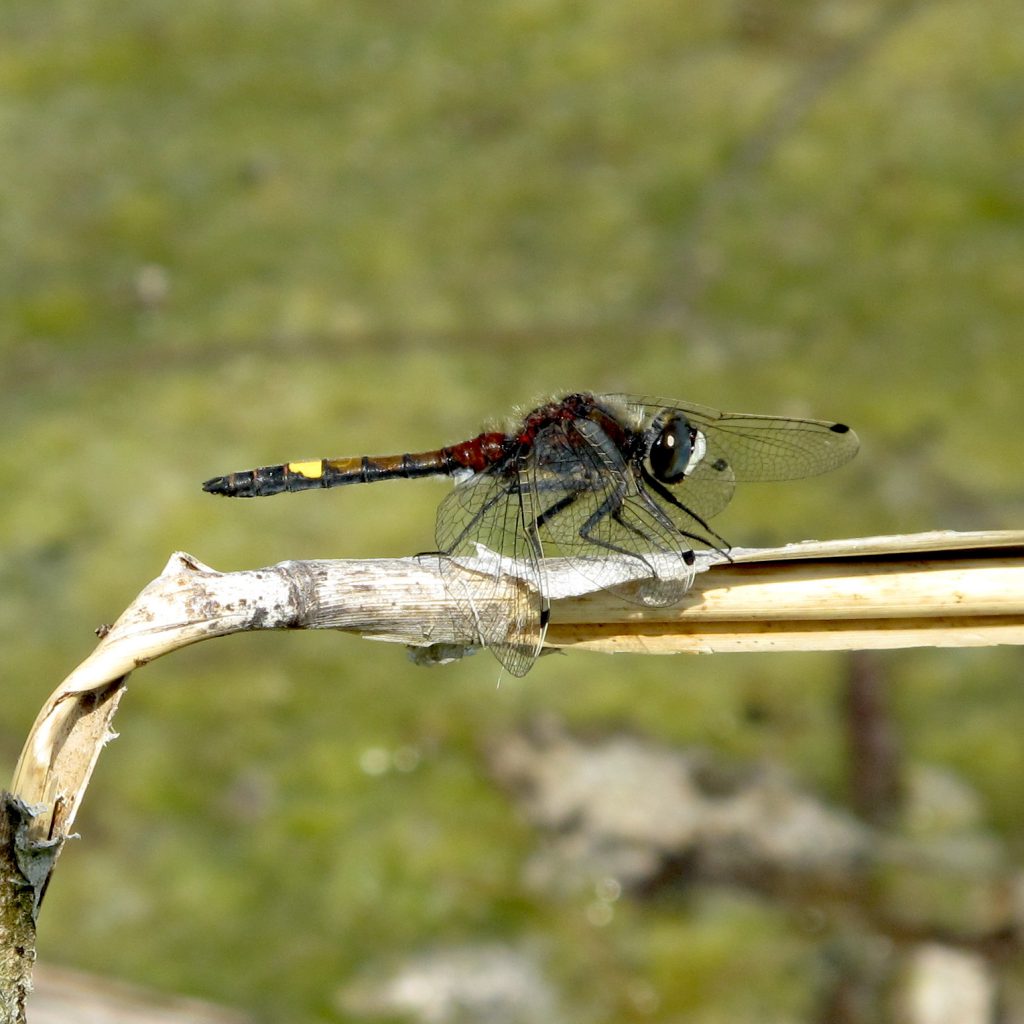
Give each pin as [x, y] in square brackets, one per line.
[217, 485]
[234, 485]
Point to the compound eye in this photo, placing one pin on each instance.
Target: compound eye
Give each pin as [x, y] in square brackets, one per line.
[676, 450]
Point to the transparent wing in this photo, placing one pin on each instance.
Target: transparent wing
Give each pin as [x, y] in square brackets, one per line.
[592, 507]
[505, 604]
[702, 495]
[755, 448]
[577, 492]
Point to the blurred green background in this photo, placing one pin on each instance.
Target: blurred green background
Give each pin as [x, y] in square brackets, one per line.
[238, 233]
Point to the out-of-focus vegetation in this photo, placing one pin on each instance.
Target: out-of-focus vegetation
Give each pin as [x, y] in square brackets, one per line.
[237, 233]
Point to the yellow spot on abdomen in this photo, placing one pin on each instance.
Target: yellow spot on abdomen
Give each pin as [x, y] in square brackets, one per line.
[310, 470]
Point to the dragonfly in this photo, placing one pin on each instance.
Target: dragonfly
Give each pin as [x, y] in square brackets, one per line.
[601, 480]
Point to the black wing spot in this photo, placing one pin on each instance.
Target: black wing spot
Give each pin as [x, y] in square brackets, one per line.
[839, 428]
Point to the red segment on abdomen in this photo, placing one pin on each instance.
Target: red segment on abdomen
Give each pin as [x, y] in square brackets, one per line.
[479, 453]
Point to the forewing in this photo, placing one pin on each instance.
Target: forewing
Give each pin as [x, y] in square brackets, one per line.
[759, 448]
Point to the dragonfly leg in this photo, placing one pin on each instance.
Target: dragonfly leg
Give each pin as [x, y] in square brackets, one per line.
[550, 513]
[666, 495]
[612, 506]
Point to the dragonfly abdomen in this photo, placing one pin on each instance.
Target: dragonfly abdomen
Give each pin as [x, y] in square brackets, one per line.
[316, 473]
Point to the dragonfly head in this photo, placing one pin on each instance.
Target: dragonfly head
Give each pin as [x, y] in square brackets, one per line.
[677, 447]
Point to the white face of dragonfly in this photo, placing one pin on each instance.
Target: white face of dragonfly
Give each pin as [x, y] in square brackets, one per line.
[677, 449]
